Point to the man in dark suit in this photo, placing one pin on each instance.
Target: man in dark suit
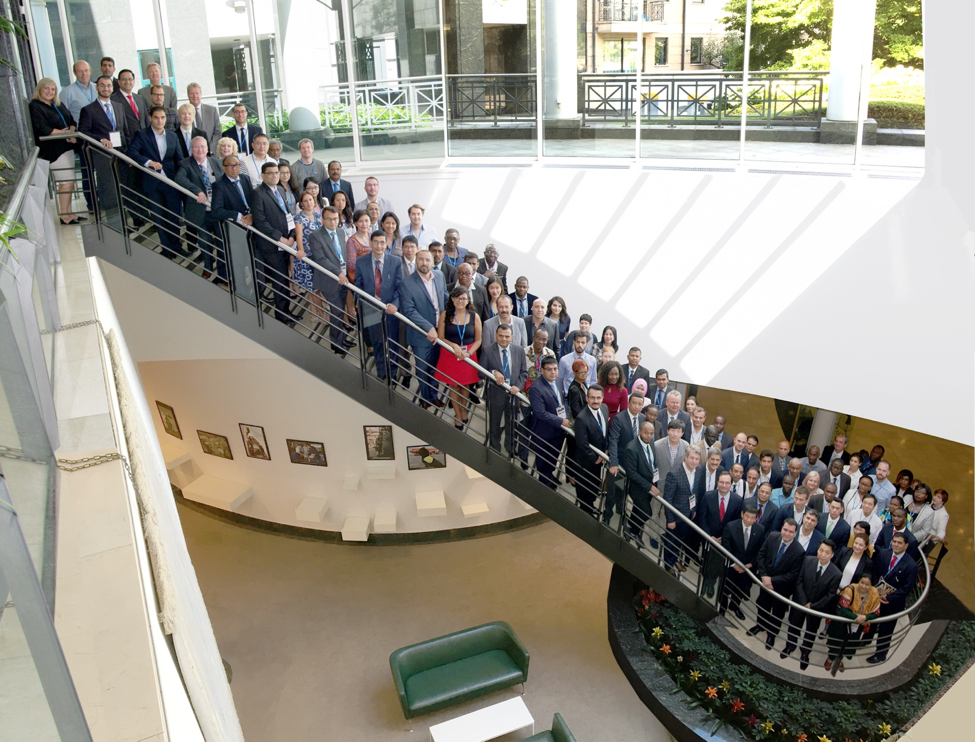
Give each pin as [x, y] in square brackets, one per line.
[782, 458]
[836, 451]
[205, 116]
[623, 428]
[683, 489]
[231, 200]
[271, 218]
[478, 300]
[197, 173]
[439, 264]
[104, 119]
[490, 266]
[833, 525]
[521, 299]
[156, 148]
[641, 478]
[380, 275]
[591, 428]
[549, 417]
[795, 511]
[718, 508]
[808, 536]
[836, 476]
[767, 472]
[242, 132]
[767, 510]
[537, 320]
[738, 454]
[136, 110]
[335, 183]
[186, 130]
[724, 438]
[508, 365]
[328, 253]
[743, 538]
[633, 370]
[896, 568]
[898, 524]
[154, 73]
[820, 503]
[658, 391]
[423, 296]
[672, 411]
[777, 565]
[818, 582]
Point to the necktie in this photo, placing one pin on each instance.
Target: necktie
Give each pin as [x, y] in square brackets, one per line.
[379, 280]
[741, 459]
[199, 118]
[186, 138]
[819, 572]
[111, 115]
[646, 446]
[721, 508]
[335, 187]
[135, 110]
[206, 179]
[277, 195]
[505, 368]
[629, 379]
[761, 512]
[602, 425]
[335, 245]
[893, 561]
[634, 427]
[660, 398]
[242, 136]
[829, 527]
[522, 307]
[748, 533]
[240, 190]
[778, 554]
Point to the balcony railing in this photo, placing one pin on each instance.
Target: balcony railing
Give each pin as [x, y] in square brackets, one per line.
[772, 98]
[629, 10]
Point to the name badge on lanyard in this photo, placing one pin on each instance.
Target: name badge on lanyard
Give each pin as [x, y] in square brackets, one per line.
[291, 220]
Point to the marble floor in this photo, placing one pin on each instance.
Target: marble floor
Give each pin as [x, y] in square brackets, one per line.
[936, 461]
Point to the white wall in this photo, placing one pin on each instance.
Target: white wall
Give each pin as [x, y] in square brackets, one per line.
[216, 395]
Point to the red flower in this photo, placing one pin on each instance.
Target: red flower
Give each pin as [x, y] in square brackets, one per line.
[737, 706]
[753, 722]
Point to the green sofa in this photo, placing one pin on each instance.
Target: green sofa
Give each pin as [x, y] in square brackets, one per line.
[560, 732]
[458, 667]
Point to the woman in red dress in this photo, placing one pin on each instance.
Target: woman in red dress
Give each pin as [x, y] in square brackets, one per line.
[614, 387]
[461, 329]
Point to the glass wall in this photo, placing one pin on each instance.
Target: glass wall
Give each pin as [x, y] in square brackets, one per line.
[618, 79]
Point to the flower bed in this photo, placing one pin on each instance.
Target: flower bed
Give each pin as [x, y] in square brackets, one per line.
[734, 695]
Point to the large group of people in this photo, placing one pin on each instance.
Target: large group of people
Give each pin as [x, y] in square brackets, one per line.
[830, 529]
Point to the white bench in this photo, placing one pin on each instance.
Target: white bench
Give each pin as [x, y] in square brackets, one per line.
[485, 724]
[217, 492]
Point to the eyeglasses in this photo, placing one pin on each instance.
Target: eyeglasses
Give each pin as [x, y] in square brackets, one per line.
[234, 164]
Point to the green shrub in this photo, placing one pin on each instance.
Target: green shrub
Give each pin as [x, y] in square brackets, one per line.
[895, 114]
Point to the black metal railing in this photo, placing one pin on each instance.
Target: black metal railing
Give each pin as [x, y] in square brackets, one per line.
[491, 98]
[714, 99]
[373, 341]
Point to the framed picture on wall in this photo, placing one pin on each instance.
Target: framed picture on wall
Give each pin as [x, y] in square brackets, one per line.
[255, 442]
[168, 417]
[215, 445]
[307, 452]
[425, 457]
[379, 442]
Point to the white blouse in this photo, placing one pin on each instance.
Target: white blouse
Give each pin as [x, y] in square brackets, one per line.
[848, 571]
[930, 522]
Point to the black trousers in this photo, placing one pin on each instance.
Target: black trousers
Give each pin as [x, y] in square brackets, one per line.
[272, 272]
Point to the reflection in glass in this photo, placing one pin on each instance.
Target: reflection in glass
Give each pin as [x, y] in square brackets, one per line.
[49, 40]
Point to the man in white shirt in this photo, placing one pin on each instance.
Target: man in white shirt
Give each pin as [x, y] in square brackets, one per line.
[253, 162]
[712, 468]
[833, 526]
[751, 483]
[882, 488]
[424, 233]
[373, 197]
[737, 485]
[867, 512]
[807, 532]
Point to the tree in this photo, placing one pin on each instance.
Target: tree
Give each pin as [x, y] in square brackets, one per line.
[782, 28]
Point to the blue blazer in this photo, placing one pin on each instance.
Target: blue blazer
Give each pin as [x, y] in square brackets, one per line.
[144, 149]
[708, 512]
[416, 306]
[728, 460]
[545, 422]
[841, 531]
[365, 278]
[814, 541]
[678, 491]
[903, 577]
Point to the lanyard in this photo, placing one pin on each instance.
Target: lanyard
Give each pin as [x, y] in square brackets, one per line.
[61, 115]
[88, 93]
[305, 168]
[462, 330]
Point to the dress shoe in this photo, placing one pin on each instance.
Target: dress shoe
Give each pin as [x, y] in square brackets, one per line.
[340, 352]
[406, 381]
[753, 631]
[803, 662]
[709, 591]
[438, 403]
[348, 342]
[769, 643]
[654, 544]
[738, 614]
[875, 659]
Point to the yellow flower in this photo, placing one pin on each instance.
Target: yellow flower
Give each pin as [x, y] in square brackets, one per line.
[824, 738]
[725, 686]
[657, 632]
[695, 674]
[768, 726]
[934, 669]
[885, 729]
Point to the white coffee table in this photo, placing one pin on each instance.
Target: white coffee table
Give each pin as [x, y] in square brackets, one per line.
[485, 724]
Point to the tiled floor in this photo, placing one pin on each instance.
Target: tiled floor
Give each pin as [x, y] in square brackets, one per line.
[936, 461]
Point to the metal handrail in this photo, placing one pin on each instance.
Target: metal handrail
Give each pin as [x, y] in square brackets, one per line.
[707, 538]
[16, 202]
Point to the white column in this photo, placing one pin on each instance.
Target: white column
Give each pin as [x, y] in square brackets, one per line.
[559, 79]
[852, 36]
[298, 28]
[821, 432]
